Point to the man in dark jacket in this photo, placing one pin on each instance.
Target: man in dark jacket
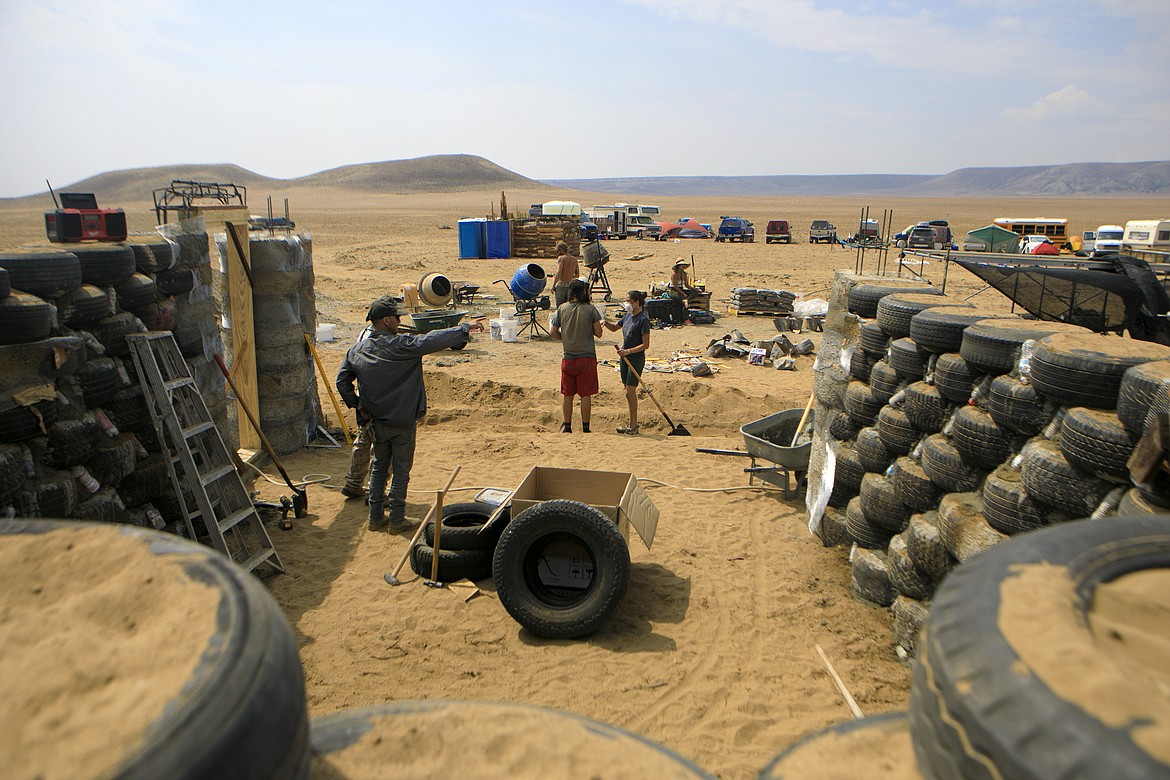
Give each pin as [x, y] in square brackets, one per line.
[387, 368]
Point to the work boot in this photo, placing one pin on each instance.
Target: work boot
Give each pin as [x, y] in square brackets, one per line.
[378, 521]
[353, 492]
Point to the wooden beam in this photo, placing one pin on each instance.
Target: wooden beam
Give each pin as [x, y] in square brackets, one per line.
[243, 332]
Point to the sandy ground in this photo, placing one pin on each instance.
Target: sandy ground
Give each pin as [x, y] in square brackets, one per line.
[712, 654]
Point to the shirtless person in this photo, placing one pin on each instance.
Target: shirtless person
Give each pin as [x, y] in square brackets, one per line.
[567, 271]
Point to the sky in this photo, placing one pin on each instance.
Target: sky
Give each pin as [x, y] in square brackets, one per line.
[580, 90]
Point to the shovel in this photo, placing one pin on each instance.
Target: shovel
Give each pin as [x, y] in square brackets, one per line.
[675, 430]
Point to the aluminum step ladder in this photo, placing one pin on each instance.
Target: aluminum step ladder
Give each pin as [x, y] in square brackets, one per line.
[191, 440]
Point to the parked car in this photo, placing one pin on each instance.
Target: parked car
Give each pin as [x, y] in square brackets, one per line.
[736, 229]
[777, 232]
[1037, 245]
[588, 229]
[822, 230]
[642, 226]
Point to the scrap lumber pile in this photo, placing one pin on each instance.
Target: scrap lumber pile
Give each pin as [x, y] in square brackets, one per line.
[748, 300]
[537, 239]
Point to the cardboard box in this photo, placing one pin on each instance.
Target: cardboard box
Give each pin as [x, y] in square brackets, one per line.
[616, 494]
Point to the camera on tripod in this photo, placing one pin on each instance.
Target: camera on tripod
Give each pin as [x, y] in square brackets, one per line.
[533, 304]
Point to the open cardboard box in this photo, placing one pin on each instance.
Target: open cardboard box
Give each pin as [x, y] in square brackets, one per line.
[616, 494]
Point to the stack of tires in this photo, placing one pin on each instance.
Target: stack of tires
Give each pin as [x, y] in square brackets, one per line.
[76, 439]
[948, 442]
[561, 568]
[283, 311]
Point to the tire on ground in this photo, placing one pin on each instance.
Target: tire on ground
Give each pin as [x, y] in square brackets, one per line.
[565, 530]
[974, 715]
[243, 712]
[453, 564]
[870, 575]
[463, 525]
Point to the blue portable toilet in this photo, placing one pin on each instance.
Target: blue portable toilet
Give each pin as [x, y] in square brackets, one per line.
[498, 238]
[472, 244]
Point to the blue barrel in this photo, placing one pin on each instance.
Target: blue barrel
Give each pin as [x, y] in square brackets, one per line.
[498, 238]
[528, 281]
[471, 239]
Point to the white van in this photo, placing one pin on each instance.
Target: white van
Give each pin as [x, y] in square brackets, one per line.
[1106, 238]
[1147, 234]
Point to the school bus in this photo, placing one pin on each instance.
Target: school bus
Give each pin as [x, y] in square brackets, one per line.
[1056, 230]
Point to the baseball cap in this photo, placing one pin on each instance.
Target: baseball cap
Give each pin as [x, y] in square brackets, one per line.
[386, 306]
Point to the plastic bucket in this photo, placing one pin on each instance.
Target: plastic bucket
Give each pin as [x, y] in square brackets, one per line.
[508, 330]
[528, 281]
[435, 290]
[325, 331]
[508, 313]
[494, 329]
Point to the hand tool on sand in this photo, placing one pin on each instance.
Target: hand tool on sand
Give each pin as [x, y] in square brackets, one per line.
[329, 387]
[675, 430]
[300, 501]
[803, 419]
[391, 577]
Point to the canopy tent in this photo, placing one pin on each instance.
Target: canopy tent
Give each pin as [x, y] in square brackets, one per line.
[995, 238]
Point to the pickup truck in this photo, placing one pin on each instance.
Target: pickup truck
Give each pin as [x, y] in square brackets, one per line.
[736, 229]
[822, 230]
[641, 226]
[778, 232]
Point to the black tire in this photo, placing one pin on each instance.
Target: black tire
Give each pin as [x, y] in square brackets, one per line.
[98, 381]
[925, 407]
[875, 741]
[1135, 502]
[910, 615]
[24, 318]
[993, 346]
[833, 530]
[5, 285]
[113, 460]
[1144, 390]
[1076, 370]
[846, 476]
[925, 546]
[127, 409]
[1008, 507]
[894, 312]
[162, 315]
[112, 332]
[974, 715]
[954, 378]
[104, 506]
[44, 274]
[136, 293]
[1095, 441]
[1017, 406]
[907, 360]
[150, 480]
[463, 527]
[70, 442]
[872, 340]
[84, 306]
[105, 266]
[578, 531]
[242, 713]
[454, 565]
[897, 433]
[860, 403]
[912, 487]
[1051, 479]
[863, 298]
[906, 578]
[941, 330]
[18, 423]
[593, 750]
[842, 427]
[870, 576]
[964, 528]
[12, 473]
[55, 495]
[883, 382]
[860, 364]
[946, 468]
[871, 452]
[881, 505]
[865, 533]
[152, 258]
[978, 440]
[176, 281]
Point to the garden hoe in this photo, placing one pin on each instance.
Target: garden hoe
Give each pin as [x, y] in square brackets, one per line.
[675, 430]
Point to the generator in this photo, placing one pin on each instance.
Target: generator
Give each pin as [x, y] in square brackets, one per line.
[77, 218]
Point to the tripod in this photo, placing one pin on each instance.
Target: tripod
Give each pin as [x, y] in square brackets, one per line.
[596, 256]
[531, 307]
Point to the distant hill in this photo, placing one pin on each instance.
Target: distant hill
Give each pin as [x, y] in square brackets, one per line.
[1097, 179]
[464, 172]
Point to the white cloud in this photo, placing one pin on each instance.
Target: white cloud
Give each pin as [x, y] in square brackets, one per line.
[1067, 102]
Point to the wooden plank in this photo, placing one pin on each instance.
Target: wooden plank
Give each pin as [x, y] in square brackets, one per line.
[243, 332]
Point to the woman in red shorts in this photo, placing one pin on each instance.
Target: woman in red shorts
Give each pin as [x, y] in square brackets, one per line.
[577, 324]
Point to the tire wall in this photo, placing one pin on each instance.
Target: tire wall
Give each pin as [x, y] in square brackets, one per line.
[1005, 460]
[76, 439]
[284, 309]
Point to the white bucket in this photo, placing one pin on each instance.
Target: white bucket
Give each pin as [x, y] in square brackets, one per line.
[494, 329]
[508, 313]
[325, 332]
[508, 329]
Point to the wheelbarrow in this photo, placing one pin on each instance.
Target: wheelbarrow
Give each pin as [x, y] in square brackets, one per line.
[435, 319]
[770, 439]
